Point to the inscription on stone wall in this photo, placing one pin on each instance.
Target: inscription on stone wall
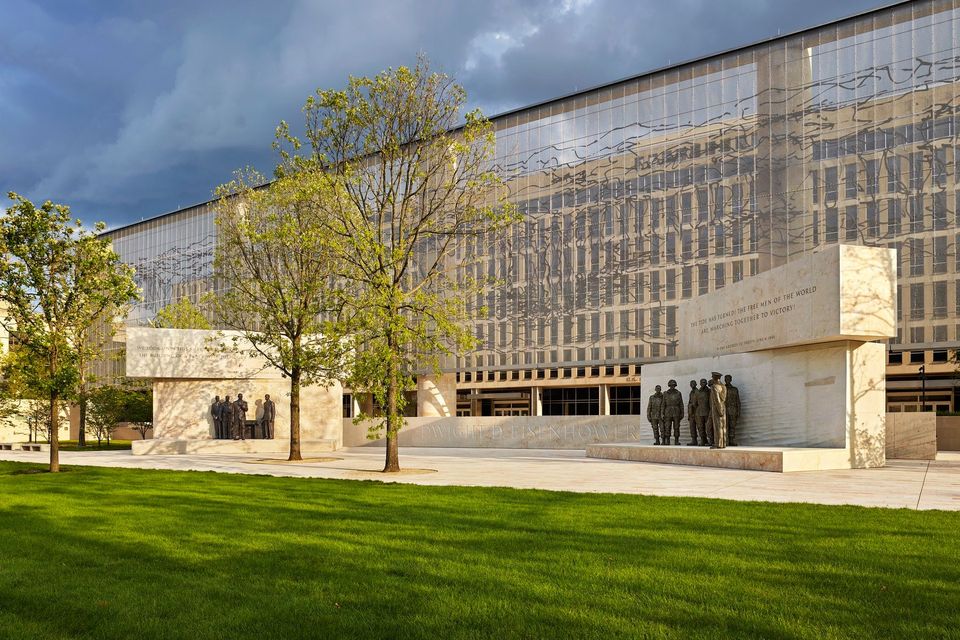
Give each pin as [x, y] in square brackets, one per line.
[821, 297]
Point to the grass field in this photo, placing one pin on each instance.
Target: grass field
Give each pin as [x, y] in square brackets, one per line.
[122, 553]
[115, 445]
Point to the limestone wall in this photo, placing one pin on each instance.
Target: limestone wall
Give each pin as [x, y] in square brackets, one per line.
[521, 432]
[181, 408]
[948, 433]
[912, 436]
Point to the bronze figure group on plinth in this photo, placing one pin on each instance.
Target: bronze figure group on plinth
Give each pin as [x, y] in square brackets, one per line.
[230, 418]
[713, 410]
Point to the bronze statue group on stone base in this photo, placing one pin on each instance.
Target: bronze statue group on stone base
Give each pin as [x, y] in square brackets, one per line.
[230, 418]
[713, 410]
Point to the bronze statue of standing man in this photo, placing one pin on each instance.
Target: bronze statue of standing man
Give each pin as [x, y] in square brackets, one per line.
[269, 414]
[718, 411]
[655, 415]
[672, 413]
[703, 412]
[216, 410]
[733, 410]
[240, 407]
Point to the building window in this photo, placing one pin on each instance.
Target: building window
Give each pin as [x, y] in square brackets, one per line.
[851, 223]
[686, 286]
[571, 401]
[915, 211]
[873, 220]
[850, 180]
[830, 184]
[916, 257]
[703, 241]
[894, 213]
[718, 275]
[917, 357]
[832, 223]
[893, 174]
[873, 177]
[939, 299]
[703, 279]
[626, 401]
[916, 301]
[895, 357]
[940, 254]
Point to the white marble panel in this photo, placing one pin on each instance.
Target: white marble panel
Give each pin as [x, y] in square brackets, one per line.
[507, 432]
[842, 292]
[181, 408]
[191, 353]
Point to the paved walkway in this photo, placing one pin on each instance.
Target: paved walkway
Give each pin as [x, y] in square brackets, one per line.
[911, 484]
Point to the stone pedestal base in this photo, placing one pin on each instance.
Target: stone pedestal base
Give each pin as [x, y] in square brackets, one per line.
[169, 446]
[781, 459]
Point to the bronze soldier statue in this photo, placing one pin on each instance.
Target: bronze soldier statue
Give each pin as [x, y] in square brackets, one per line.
[216, 410]
[672, 413]
[227, 414]
[692, 413]
[269, 413]
[655, 415]
[239, 417]
[733, 410]
[703, 412]
[718, 411]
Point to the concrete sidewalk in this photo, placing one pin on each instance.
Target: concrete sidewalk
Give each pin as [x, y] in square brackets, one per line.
[910, 484]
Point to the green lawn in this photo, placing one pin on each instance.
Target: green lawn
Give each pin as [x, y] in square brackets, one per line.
[115, 553]
[115, 445]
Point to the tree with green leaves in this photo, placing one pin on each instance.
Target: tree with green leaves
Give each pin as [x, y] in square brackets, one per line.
[413, 179]
[182, 314]
[273, 254]
[55, 279]
[112, 404]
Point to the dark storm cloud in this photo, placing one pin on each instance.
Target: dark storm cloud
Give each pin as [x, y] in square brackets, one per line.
[125, 111]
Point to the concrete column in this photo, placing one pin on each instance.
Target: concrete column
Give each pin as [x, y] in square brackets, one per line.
[604, 399]
[356, 404]
[437, 396]
[536, 402]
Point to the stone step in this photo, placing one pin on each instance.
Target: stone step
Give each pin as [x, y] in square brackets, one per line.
[779, 459]
[209, 446]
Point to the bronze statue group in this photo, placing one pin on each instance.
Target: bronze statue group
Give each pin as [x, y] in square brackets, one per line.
[230, 418]
[713, 410]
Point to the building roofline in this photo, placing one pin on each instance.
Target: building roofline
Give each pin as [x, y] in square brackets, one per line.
[699, 59]
[504, 114]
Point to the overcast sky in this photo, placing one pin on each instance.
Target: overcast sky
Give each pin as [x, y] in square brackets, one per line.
[126, 110]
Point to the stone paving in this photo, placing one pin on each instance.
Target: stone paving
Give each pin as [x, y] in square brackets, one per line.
[910, 484]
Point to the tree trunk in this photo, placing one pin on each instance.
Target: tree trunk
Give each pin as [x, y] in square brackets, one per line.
[82, 432]
[295, 415]
[54, 434]
[392, 463]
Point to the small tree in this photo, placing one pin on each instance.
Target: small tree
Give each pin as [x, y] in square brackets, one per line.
[412, 182]
[55, 279]
[182, 314]
[106, 410]
[139, 409]
[273, 253]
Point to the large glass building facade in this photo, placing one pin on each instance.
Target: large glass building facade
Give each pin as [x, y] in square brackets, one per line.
[650, 191]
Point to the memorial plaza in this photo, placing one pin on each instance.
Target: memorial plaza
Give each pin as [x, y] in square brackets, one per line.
[901, 484]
